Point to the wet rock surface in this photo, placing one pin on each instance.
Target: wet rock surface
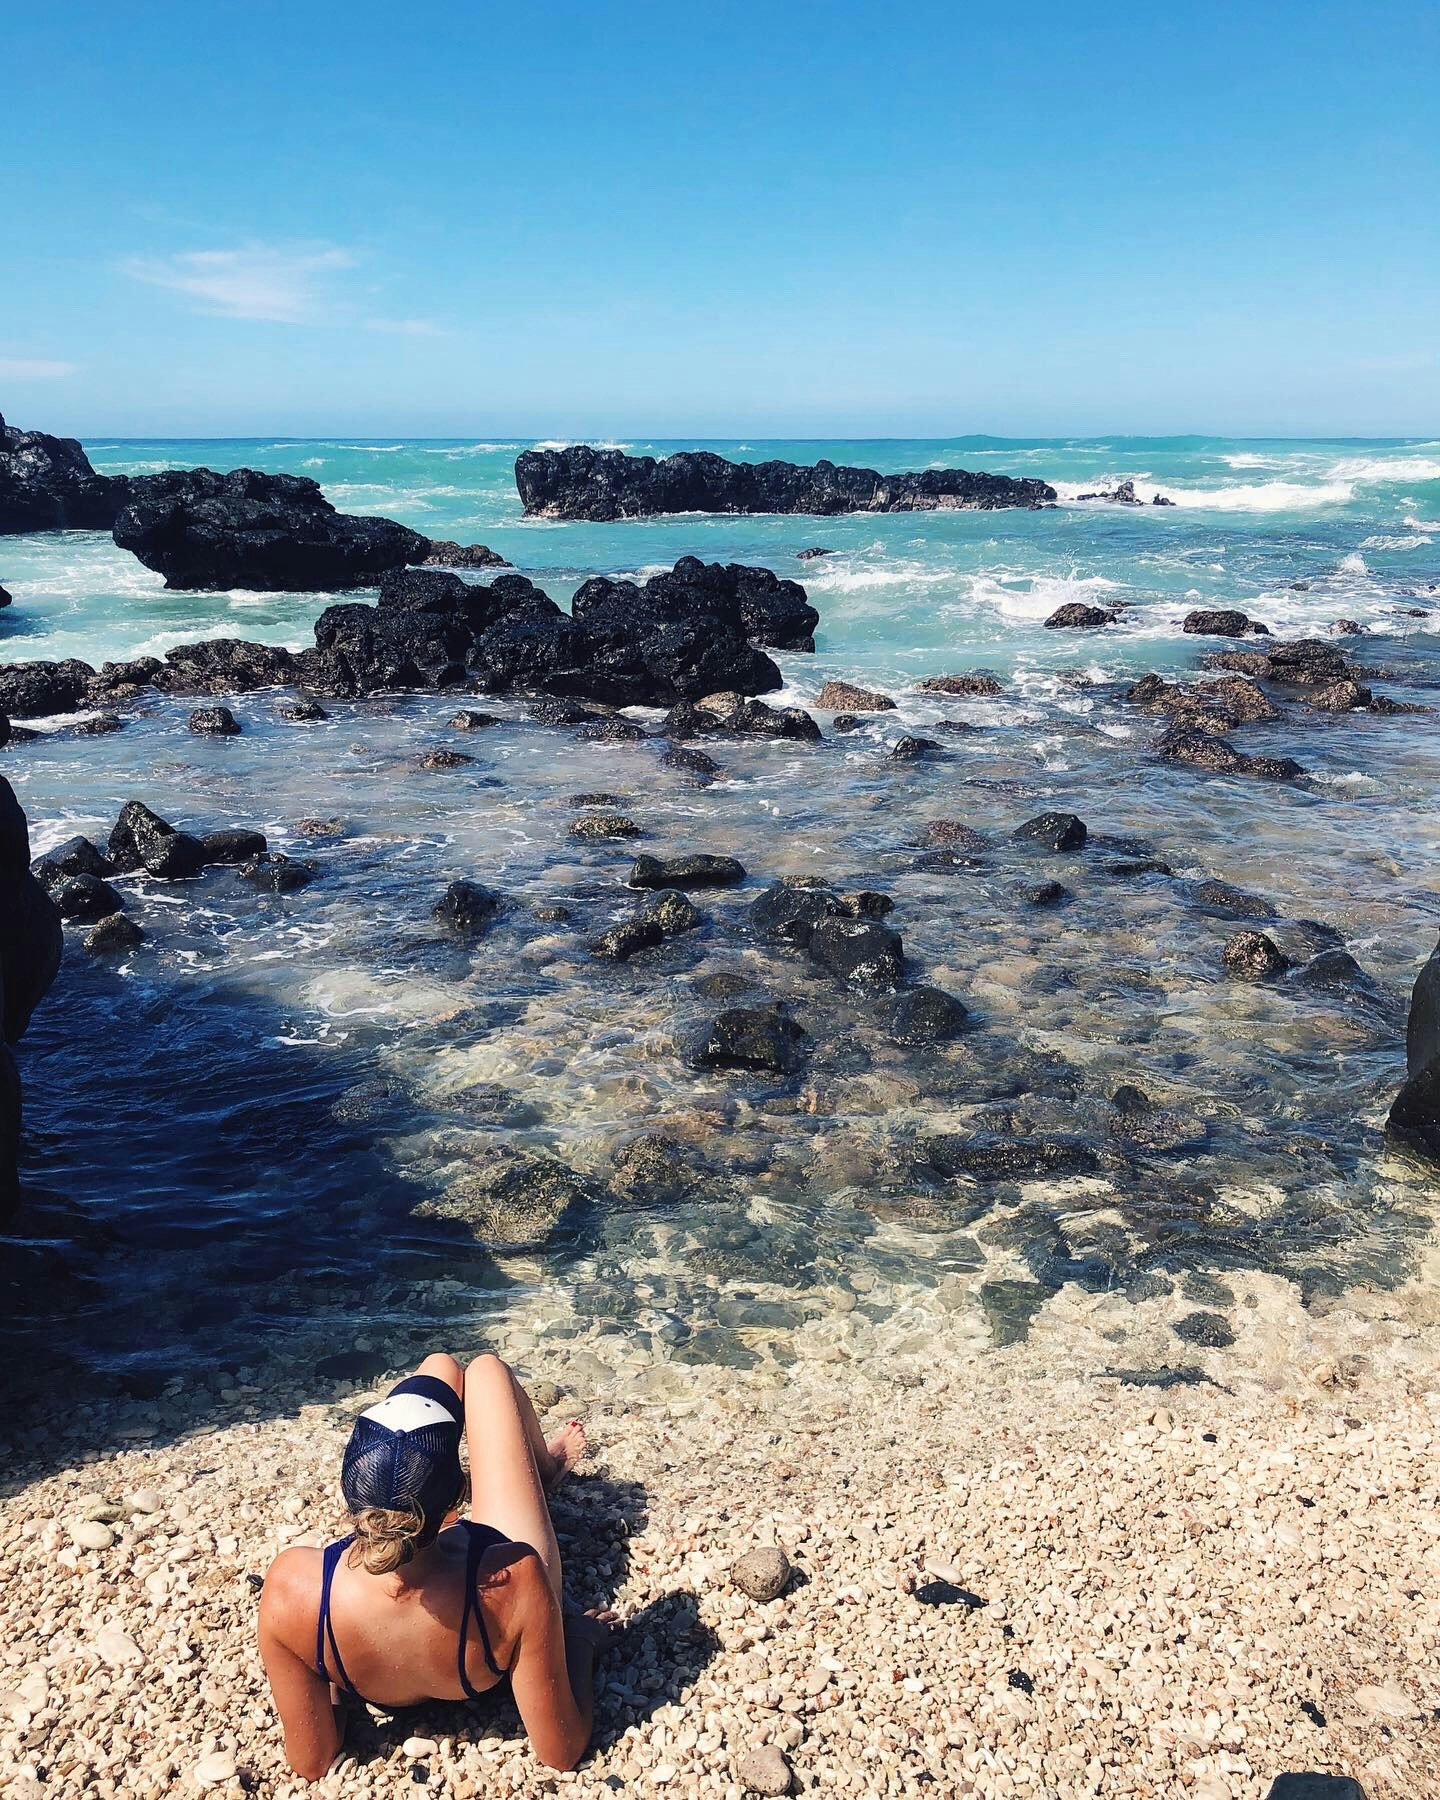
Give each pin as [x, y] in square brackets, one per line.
[582, 483]
[30, 948]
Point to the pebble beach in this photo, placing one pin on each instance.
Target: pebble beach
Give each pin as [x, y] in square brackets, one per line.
[1043, 1570]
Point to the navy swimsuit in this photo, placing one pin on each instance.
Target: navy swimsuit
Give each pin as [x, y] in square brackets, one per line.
[481, 1538]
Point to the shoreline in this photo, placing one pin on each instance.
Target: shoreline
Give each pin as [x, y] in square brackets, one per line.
[1176, 1574]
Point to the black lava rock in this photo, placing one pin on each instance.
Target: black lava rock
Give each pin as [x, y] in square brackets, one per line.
[926, 1015]
[214, 721]
[114, 935]
[1053, 831]
[274, 873]
[685, 871]
[140, 839]
[750, 1038]
[467, 907]
[582, 483]
[233, 845]
[861, 951]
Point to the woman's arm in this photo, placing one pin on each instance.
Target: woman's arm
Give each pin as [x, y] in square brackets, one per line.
[302, 1697]
[553, 1669]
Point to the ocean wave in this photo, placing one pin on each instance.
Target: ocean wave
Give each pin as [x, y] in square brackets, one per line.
[1411, 541]
[1353, 564]
[1371, 469]
[1263, 496]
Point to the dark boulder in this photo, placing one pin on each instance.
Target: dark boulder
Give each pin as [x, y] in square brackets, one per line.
[248, 529]
[964, 687]
[467, 907]
[468, 720]
[914, 749]
[701, 768]
[47, 484]
[1222, 622]
[626, 939]
[302, 712]
[1415, 1114]
[1075, 615]
[810, 554]
[955, 835]
[5, 596]
[583, 483]
[76, 856]
[1198, 749]
[224, 666]
[750, 1038]
[113, 936]
[1254, 957]
[789, 910]
[844, 696]
[1122, 494]
[685, 871]
[1045, 893]
[1344, 695]
[275, 873]
[214, 721]
[861, 951]
[926, 1015]
[445, 553]
[442, 758]
[604, 827]
[81, 897]
[1232, 700]
[96, 725]
[674, 913]
[1061, 832]
[140, 839]
[233, 845]
[35, 690]
[31, 942]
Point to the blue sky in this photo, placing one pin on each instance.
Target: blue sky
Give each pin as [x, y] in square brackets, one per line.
[763, 219]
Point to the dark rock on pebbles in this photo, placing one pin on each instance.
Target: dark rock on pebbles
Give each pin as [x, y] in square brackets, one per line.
[685, 871]
[114, 935]
[467, 907]
[1254, 957]
[214, 721]
[274, 873]
[140, 839]
[234, 845]
[1053, 831]
[1222, 622]
[926, 1015]
[1075, 615]
[745, 1037]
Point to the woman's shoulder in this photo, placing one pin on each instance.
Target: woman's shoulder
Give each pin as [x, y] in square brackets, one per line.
[292, 1584]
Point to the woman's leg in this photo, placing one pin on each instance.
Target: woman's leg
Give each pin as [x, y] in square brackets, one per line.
[444, 1368]
[509, 1463]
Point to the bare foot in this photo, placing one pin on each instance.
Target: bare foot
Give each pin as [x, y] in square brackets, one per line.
[566, 1449]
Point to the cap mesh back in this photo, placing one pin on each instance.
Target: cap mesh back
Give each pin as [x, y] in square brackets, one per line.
[402, 1469]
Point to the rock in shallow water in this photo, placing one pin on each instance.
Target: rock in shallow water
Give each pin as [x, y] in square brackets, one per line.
[467, 907]
[1053, 831]
[141, 839]
[274, 873]
[214, 721]
[844, 696]
[518, 1200]
[750, 1038]
[1253, 956]
[926, 1015]
[114, 935]
[700, 870]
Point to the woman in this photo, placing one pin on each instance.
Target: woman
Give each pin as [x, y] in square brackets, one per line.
[406, 1609]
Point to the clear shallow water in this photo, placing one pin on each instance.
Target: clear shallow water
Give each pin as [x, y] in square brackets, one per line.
[245, 1116]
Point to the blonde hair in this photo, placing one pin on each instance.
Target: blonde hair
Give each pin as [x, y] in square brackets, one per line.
[386, 1538]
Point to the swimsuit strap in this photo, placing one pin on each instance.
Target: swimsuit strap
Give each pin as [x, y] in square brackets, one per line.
[324, 1629]
[481, 1537]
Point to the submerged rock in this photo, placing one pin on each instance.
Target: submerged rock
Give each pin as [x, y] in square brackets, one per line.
[114, 935]
[519, 1200]
[1045, 893]
[582, 483]
[913, 749]
[248, 529]
[605, 827]
[627, 939]
[214, 721]
[750, 1038]
[1221, 897]
[1253, 956]
[467, 907]
[926, 1015]
[984, 1157]
[1009, 1306]
[275, 873]
[1202, 750]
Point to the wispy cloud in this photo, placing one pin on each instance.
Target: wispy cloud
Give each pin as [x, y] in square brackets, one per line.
[420, 328]
[285, 283]
[34, 368]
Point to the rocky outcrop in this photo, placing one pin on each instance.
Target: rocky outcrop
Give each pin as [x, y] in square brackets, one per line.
[249, 529]
[683, 636]
[47, 484]
[1222, 622]
[445, 553]
[30, 945]
[583, 483]
[1416, 1112]
[1202, 749]
[1075, 615]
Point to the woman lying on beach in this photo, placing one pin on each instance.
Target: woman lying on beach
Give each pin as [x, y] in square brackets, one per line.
[409, 1608]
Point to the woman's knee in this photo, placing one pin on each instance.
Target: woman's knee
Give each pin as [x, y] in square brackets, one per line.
[490, 1370]
[446, 1368]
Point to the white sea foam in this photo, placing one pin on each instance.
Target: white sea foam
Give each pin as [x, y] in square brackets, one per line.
[1353, 564]
[1388, 468]
[1411, 541]
[1262, 496]
[1421, 524]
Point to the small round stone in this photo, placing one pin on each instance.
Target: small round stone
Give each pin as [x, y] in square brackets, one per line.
[762, 1574]
[764, 1770]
